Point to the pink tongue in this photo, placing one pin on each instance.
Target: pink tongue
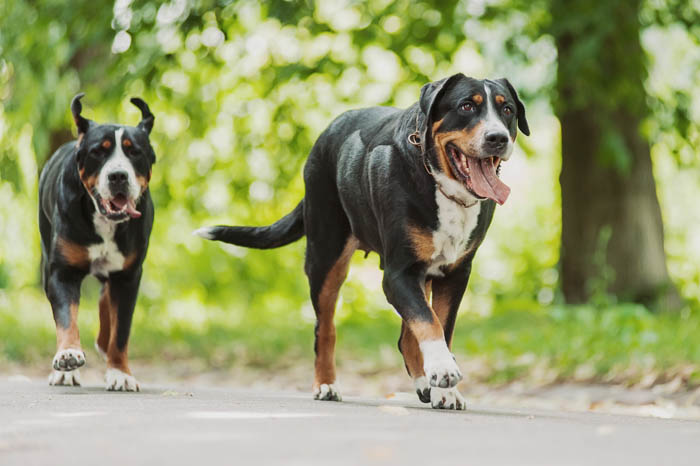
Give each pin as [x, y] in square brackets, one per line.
[484, 180]
[119, 201]
[131, 209]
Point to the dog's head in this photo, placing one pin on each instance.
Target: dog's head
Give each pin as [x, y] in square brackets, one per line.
[114, 161]
[470, 129]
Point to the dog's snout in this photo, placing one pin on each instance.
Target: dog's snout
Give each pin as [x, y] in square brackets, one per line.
[496, 140]
[119, 177]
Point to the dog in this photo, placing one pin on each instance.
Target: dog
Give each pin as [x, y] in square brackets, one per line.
[416, 186]
[95, 217]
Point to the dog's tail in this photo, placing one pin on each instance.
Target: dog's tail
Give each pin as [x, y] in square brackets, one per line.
[284, 231]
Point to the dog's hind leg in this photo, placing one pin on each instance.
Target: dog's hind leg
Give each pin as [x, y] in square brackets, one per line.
[328, 254]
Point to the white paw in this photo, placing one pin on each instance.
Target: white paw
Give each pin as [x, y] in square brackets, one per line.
[71, 378]
[118, 381]
[422, 388]
[327, 392]
[68, 359]
[439, 364]
[99, 350]
[447, 398]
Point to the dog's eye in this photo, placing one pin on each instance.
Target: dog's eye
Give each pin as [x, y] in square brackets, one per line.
[507, 110]
[467, 107]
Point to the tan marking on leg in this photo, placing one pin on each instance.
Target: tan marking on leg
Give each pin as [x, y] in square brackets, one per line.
[116, 358]
[422, 242]
[325, 335]
[130, 260]
[410, 350]
[69, 337]
[441, 305]
[105, 317]
[73, 253]
[427, 331]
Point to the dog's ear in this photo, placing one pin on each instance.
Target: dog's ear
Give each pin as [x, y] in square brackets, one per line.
[429, 95]
[431, 91]
[147, 117]
[76, 107]
[520, 113]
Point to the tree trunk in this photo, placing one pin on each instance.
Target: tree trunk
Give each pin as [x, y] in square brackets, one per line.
[612, 231]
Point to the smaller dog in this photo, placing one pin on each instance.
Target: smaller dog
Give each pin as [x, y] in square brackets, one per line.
[95, 217]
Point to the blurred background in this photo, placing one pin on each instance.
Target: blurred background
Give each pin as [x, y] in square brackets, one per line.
[589, 272]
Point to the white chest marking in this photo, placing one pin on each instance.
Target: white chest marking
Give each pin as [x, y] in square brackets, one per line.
[105, 256]
[455, 225]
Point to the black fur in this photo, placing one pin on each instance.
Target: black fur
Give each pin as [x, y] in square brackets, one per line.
[365, 181]
[67, 212]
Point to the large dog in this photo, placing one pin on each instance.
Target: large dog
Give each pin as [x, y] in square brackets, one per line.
[95, 217]
[416, 186]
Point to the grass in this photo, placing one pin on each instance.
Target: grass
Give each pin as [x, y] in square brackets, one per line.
[519, 341]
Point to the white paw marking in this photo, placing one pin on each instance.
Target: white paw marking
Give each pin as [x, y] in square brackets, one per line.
[439, 364]
[118, 381]
[204, 232]
[71, 378]
[327, 392]
[99, 350]
[68, 359]
[447, 398]
[422, 388]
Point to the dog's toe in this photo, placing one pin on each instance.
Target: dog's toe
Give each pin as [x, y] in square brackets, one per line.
[443, 373]
[327, 392]
[118, 381]
[71, 378]
[68, 359]
[447, 398]
[422, 388]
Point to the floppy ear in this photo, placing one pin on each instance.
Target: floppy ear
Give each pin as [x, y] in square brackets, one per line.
[147, 117]
[520, 113]
[429, 95]
[82, 123]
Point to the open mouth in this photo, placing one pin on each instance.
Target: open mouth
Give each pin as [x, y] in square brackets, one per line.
[119, 206]
[478, 175]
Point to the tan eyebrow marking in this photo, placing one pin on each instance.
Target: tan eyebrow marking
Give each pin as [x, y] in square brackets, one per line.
[478, 99]
[127, 142]
[500, 99]
[106, 143]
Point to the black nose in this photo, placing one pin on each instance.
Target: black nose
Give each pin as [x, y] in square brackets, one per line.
[496, 141]
[117, 177]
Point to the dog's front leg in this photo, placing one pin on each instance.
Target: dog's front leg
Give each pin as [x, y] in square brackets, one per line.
[63, 291]
[122, 288]
[404, 289]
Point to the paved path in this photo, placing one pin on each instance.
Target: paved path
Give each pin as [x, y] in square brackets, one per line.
[181, 425]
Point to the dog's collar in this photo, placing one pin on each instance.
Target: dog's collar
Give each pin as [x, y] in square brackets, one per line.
[415, 140]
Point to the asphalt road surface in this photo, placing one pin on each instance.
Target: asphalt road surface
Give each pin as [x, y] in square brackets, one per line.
[182, 425]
